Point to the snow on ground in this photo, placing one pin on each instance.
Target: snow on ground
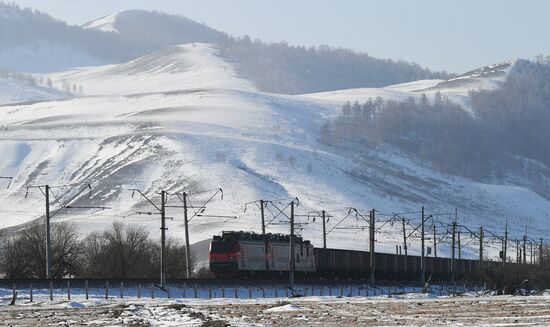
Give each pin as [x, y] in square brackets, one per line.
[180, 119]
[12, 91]
[396, 310]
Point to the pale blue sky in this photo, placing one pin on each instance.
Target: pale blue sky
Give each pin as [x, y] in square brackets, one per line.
[441, 34]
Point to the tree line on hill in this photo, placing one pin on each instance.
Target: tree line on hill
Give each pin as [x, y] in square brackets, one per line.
[505, 131]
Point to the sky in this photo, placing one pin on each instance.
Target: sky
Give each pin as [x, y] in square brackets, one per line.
[455, 36]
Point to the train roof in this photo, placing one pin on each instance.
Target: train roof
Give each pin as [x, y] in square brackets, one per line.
[240, 235]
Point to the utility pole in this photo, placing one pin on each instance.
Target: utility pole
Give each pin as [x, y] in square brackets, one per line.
[162, 212]
[422, 259]
[525, 249]
[531, 246]
[458, 233]
[371, 247]
[404, 244]
[187, 246]
[46, 190]
[458, 242]
[163, 239]
[184, 198]
[480, 245]
[453, 258]
[262, 213]
[48, 235]
[540, 252]
[435, 243]
[518, 252]
[505, 245]
[323, 216]
[292, 258]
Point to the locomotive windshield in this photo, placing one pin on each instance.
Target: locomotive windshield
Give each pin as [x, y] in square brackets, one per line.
[220, 246]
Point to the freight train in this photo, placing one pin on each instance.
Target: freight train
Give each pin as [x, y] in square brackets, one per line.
[245, 254]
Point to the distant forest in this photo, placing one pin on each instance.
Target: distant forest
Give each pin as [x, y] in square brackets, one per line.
[506, 131]
[273, 67]
[282, 68]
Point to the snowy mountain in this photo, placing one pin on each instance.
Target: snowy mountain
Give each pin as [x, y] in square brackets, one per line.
[456, 89]
[158, 29]
[183, 119]
[35, 42]
[190, 66]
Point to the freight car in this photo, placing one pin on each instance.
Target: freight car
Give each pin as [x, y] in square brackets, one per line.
[244, 254]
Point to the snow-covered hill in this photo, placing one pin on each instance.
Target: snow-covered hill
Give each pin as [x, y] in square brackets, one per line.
[181, 119]
[13, 90]
[190, 66]
[456, 89]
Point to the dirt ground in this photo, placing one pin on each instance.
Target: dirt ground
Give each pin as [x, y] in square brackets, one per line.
[464, 311]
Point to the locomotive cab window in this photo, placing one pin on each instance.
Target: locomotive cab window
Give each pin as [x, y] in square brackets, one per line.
[224, 246]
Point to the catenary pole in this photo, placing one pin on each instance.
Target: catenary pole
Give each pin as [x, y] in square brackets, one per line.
[266, 244]
[422, 258]
[435, 242]
[163, 239]
[372, 250]
[453, 257]
[187, 246]
[404, 245]
[323, 213]
[292, 258]
[48, 235]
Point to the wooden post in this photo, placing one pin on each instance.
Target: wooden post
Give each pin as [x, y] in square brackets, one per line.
[68, 290]
[139, 291]
[30, 292]
[106, 290]
[121, 290]
[13, 296]
[86, 289]
[51, 291]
